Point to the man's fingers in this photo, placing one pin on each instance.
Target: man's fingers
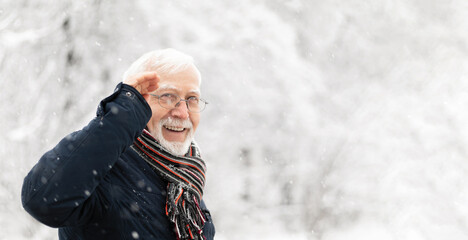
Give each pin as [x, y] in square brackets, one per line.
[148, 81]
[153, 83]
[149, 75]
[144, 82]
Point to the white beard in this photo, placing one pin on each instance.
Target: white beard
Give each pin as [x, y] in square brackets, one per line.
[176, 148]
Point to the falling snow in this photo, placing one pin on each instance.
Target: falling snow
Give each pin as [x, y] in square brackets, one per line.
[326, 120]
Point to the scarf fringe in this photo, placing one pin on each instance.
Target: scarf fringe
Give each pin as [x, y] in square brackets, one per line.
[184, 211]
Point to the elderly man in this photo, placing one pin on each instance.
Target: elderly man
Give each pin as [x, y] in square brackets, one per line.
[134, 172]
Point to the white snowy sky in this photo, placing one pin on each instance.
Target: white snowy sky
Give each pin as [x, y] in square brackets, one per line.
[327, 120]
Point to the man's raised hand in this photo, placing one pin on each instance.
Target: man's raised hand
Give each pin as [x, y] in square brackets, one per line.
[145, 83]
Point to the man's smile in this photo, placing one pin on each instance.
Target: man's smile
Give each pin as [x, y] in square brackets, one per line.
[174, 129]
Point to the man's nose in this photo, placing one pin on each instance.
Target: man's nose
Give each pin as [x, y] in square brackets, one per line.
[180, 110]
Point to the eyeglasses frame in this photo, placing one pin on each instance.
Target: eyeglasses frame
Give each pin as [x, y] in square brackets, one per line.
[180, 100]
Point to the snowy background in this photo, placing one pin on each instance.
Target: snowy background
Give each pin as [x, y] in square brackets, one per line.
[328, 120]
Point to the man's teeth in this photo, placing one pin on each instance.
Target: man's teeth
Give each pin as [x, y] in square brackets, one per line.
[174, 128]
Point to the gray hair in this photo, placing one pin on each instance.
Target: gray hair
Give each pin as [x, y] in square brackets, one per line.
[165, 61]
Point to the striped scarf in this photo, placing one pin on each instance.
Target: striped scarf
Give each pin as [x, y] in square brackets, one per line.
[186, 178]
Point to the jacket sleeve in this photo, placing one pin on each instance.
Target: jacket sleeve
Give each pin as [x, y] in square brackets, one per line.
[62, 189]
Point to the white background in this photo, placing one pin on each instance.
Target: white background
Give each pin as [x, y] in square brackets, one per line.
[330, 120]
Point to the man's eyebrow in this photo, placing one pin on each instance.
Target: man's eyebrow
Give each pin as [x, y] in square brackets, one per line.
[196, 91]
[167, 87]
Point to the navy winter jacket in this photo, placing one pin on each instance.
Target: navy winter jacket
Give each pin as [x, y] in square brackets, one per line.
[93, 186]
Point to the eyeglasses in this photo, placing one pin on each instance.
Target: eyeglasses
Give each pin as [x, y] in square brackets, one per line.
[170, 101]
